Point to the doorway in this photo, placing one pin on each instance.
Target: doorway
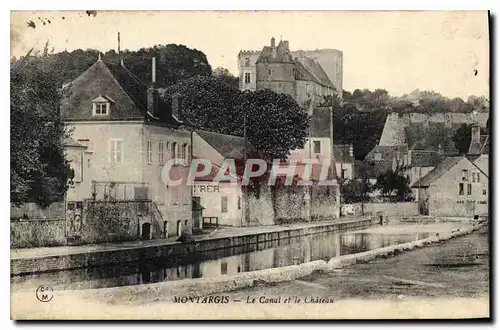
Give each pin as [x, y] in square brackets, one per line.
[146, 231]
[165, 229]
[179, 228]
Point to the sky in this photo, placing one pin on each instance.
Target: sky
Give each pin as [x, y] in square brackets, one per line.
[446, 52]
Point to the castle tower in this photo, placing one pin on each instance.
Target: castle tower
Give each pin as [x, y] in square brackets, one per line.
[247, 70]
[275, 68]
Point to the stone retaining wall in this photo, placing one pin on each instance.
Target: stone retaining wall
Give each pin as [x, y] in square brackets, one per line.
[207, 286]
[100, 258]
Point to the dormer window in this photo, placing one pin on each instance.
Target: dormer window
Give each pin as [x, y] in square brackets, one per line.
[101, 105]
[101, 108]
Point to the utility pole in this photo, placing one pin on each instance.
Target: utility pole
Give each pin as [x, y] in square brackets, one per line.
[244, 188]
[310, 158]
[341, 181]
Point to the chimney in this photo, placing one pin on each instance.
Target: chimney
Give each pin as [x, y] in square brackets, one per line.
[119, 55]
[351, 150]
[153, 79]
[176, 111]
[286, 45]
[476, 134]
[153, 100]
[153, 95]
[273, 42]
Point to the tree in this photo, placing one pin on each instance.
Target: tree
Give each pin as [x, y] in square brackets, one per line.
[173, 63]
[39, 171]
[227, 77]
[360, 128]
[275, 123]
[395, 184]
[356, 191]
[462, 138]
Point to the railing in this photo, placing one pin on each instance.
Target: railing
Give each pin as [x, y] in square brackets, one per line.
[210, 222]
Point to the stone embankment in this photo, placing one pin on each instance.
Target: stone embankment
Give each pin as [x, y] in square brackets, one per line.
[208, 286]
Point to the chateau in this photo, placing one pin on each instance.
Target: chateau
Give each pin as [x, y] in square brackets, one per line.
[305, 75]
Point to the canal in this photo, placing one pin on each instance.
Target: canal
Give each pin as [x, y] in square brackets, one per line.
[271, 254]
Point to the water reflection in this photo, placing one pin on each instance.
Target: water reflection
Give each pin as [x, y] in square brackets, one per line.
[216, 263]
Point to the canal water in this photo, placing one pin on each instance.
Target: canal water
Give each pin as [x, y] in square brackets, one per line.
[222, 262]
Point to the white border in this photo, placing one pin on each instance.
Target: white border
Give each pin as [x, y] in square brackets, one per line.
[202, 5]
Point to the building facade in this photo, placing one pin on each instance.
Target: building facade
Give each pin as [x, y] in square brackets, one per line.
[129, 134]
[302, 74]
[222, 200]
[456, 187]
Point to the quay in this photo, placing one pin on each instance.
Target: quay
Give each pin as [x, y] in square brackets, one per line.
[44, 259]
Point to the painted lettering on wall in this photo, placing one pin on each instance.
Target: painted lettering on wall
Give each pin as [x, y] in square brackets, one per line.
[205, 188]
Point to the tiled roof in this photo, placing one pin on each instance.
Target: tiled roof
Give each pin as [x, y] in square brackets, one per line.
[214, 171]
[423, 158]
[437, 172]
[387, 153]
[133, 86]
[229, 146]
[114, 82]
[282, 55]
[486, 146]
[309, 69]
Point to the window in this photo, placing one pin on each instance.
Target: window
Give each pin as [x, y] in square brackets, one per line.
[239, 202]
[469, 189]
[150, 153]
[460, 188]
[484, 191]
[317, 147]
[116, 151]
[475, 176]
[173, 151]
[269, 72]
[101, 108]
[465, 175]
[160, 153]
[187, 151]
[223, 268]
[377, 156]
[183, 154]
[247, 61]
[223, 204]
[84, 142]
[247, 77]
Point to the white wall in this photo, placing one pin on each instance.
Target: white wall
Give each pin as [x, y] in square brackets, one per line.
[299, 155]
[211, 193]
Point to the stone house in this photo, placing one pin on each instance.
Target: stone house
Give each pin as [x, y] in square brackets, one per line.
[129, 134]
[319, 142]
[223, 200]
[382, 158]
[456, 187]
[422, 162]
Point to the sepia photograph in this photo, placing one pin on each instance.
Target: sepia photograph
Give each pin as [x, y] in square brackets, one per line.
[250, 165]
